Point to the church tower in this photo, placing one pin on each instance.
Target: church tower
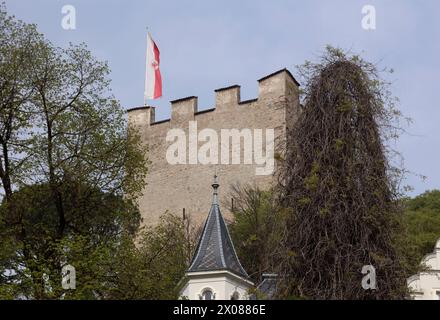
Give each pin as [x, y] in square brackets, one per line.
[215, 272]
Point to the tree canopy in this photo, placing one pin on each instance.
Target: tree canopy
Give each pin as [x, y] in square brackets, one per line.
[70, 168]
[422, 222]
[257, 229]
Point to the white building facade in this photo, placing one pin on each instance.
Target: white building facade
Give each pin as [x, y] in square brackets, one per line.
[426, 284]
[215, 285]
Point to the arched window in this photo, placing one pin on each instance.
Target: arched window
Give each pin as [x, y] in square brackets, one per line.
[235, 296]
[207, 294]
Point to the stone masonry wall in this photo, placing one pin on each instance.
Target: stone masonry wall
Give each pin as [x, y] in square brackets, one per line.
[175, 187]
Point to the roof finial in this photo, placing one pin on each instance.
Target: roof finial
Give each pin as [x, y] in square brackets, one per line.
[215, 186]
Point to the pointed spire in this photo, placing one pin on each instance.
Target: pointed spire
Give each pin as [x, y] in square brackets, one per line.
[215, 250]
[215, 186]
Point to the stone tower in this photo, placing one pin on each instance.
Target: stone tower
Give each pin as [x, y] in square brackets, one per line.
[182, 188]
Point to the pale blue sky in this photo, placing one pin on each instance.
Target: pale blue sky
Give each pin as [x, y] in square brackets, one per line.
[210, 44]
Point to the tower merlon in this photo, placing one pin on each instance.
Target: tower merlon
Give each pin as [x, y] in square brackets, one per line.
[276, 84]
[141, 116]
[183, 110]
[227, 95]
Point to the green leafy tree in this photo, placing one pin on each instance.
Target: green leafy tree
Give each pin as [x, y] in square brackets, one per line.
[113, 259]
[148, 266]
[70, 169]
[96, 224]
[18, 43]
[257, 229]
[153, 267]
[422, 221]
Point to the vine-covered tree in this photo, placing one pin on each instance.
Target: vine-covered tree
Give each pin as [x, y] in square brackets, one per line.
[340, 186]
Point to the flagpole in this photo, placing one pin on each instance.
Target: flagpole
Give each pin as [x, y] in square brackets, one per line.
[145, 81]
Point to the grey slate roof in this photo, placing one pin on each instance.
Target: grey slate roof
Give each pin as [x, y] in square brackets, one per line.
[269, 285]
[215, 250]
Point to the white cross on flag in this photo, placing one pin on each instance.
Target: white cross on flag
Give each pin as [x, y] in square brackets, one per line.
[153, 79]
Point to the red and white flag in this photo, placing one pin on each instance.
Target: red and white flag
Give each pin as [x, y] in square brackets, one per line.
[153, 79]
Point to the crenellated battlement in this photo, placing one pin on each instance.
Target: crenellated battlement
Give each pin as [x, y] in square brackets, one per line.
[272, 86]
[182, 187]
